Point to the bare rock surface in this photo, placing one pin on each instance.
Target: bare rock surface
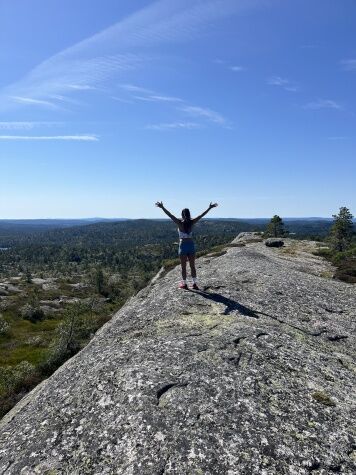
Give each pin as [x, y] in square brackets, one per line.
[254, 374]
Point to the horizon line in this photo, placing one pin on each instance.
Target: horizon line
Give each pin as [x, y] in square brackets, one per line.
[150, 218]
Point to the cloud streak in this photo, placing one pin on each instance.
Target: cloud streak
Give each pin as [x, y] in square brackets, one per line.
[181, 105]
[283, 83]
[94, 60]
[25, 125]
[323, 104]
[204, 113]
[76, 138]
[174, 125]
[237, 69]
[348, 64]
[33, 102]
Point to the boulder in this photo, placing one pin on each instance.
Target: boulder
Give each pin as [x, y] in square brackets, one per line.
[274, 242]
[247, 237]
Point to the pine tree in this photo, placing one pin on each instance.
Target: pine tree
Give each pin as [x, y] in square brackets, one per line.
[28, 276]
[342, 230]
[275, 227]
[99, 280]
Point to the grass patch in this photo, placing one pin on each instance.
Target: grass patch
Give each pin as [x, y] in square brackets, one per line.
[33, 355]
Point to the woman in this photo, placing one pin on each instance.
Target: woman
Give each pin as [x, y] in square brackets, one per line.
[186, 249]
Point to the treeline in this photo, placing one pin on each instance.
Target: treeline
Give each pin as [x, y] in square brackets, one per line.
[129, 246]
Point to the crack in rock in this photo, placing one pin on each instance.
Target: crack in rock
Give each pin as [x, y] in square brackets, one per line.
[167, 387]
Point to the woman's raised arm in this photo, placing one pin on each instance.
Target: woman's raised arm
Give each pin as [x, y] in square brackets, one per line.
[212, 205]
[159, 204]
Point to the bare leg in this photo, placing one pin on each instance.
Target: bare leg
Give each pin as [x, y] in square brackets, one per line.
[183, 261]
[191, 258]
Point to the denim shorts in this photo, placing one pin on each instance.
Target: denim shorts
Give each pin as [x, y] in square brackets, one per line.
[186, 248]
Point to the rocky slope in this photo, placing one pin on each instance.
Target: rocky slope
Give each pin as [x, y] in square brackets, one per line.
[254, 374]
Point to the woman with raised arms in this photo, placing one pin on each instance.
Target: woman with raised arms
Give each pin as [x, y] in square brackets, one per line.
[186, 250]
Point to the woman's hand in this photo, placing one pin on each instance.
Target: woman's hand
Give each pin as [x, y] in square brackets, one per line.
[159, 204]
[213, 205]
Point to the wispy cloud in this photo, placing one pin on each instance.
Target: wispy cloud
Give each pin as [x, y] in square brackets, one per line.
[77, 138]
[237, 69]
[154, 98]
[166, 98]
[81, 87]
[284, 83]
[348, 64]
[94, 60]
[135, 89]
[32, 101]
[120, 99]
[181, 105]
[323, 104]
[174, 125]
[205, 113]
[25, 125]
[232, 67]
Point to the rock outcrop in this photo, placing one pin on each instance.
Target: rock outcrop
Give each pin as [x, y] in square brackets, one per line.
[254, 374]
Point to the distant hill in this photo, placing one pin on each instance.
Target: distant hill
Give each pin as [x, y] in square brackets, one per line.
[14, 228]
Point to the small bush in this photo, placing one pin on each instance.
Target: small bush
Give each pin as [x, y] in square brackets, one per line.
[14, 381]
[33, 314]
[4, 326]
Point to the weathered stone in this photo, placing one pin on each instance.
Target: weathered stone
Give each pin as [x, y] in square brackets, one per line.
[247, 237]
[247, 376]
[274, 242]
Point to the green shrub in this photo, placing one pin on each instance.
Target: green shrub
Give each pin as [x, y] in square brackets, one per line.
[14, 381]
[33, 314]
[4, 326]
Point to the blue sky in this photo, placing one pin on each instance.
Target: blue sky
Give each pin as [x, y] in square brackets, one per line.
[107, 107]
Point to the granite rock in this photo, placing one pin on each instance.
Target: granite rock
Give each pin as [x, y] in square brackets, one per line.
[252, 375]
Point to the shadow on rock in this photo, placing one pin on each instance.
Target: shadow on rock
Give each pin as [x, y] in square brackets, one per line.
[229, 303]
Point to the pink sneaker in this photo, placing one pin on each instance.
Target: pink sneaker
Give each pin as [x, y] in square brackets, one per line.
[184, 286]
[195, 287]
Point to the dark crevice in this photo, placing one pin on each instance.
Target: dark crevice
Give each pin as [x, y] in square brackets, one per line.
[162, 470]
[314, 466]
[234, 360]
[337, 337]
[330, 310]
[261, 334]
[295, 327]
[351, 450]
[341, 361]
[202, 349]
[164, 389]
[237, 341]
[335, 468]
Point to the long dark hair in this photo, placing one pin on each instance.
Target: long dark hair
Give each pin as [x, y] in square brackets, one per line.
[186, 220]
